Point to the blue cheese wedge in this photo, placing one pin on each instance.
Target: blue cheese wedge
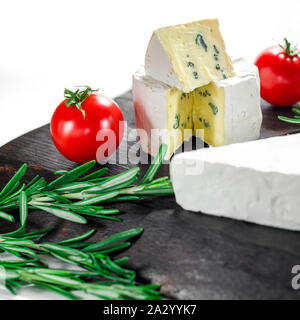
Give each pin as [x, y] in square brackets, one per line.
[257, 181]
[229, 111]
[220, 113]
[188, 56]
[162, 114]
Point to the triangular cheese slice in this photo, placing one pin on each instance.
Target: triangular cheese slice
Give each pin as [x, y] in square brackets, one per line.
[188, 56]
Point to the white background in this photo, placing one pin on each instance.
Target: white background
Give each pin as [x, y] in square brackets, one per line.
[48, 45]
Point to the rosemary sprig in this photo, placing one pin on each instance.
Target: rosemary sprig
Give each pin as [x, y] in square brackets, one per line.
[100, 275]
[296, 119]
[76, 194]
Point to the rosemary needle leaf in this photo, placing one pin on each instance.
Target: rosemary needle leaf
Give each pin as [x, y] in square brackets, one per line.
[18, 175]
[101, 179]
[82, 237]
[65, 259]
[103, 293]
[159, 185]
[59, 172]
[108, 211]
[74, 187]
[155, 192]
[70, 176]
[296, 111]
[125, 198]
[94, 175]
[63, 214]
[79, 209]
[98, 199]
[114, 248]
[16, 250]
[92, 211]
[8, 194]
[121, 180]
[155, 165]
[130, 274]
[17, 233]
[65, 251]
[289, 120]
[121, 261]
[103, 216]
[10, 288]
[160, 180]
[9, 206]
[60, 280]
[7, 216]
[36, 234]
[23, 216]
[57, 289]
[78, 244]
[23, 208]
[16, 264]
[37, 177]
[17, 242]
[62, 272]
[117, 237]
[15, 283]
[57, 197]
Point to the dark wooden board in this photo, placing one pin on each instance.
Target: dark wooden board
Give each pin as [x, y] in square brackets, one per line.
[191, 255]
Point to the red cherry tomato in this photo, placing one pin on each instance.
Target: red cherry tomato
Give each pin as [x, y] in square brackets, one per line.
[279, 70]
[75, 136]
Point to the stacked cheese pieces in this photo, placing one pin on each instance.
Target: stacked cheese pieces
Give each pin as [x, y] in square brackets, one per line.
[189, 86]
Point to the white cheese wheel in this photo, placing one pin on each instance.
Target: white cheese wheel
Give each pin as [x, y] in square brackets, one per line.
[257, 181]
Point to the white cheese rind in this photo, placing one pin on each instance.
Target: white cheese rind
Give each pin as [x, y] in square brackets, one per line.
[256, 181]
[243, 116]
[157, 64]
[149, 97]
[242, 119]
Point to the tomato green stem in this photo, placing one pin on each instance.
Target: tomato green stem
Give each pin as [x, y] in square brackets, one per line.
[75, 98]
[289, 50]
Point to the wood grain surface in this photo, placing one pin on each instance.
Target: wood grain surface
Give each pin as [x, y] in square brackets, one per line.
[192, 255]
